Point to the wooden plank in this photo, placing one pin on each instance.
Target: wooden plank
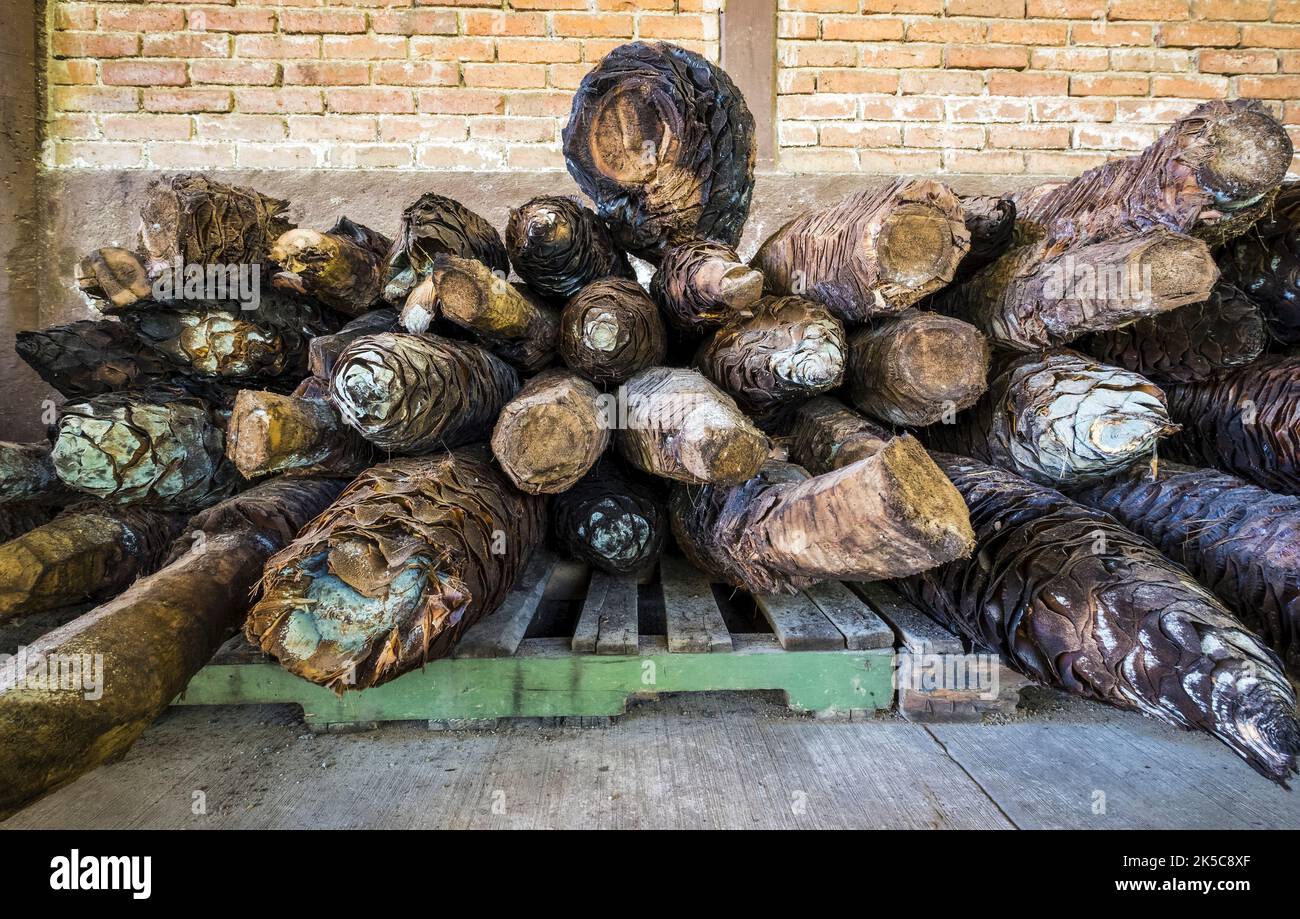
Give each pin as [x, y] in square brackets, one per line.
[918, 632]
[608, 624]
[499, 634]
[798, 623]
[693, 621]
[748, 55]
[861, 627]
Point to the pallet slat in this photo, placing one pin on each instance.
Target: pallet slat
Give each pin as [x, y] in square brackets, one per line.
[861, 627]
[917, 632]
[693, 621]
[799, 624]
[608, 624]
[499, 634]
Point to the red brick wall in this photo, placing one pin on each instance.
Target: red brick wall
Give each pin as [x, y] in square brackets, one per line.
[957, 86]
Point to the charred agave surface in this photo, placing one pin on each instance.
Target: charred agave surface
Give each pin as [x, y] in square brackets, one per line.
[393, 573]
[873, 254]
[324, 350]
[1193, 343]
[610, 330]
[91, 356]
[787, 350]
[1061, 419]
[114, 276]
[888, 515]
[991, 223]
[202, 222]
[662, 141]
[159, 447]
[612, 518]
[549, 435]
[22, 517]
[417, 393]
[702, 283]
[435, 225]
[1246, 422]
[27, 474]
[826, 434]
[344, 267]
[1265, 263]
[558, 247]
[1241, 541]
[1072, 599]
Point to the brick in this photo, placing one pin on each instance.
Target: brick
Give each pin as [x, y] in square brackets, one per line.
[290, 100]
[803, 107]
[1286, 11]
[790, 25]
[512, 24]
[136, 19]
[856, 28]
[1007, 9]
[1108, 85]
[240, 128]
[320, 22]
[73, 72]
[553, 103]
[1005, 83]
[505, 76]
[460, 102]
[516, 130]
[1189, 86]
[424, 129]
[1036, 34]
[333, 127]
[677, 26]
[144, 73]
[1111, 34]
[795, 82]
[534, 158]
[1152, 60]
[1210, 61]
[796, 134]
[231, 20]
[860, 134]
[98, 155]
[1157, 10]
[901, 56]
[1198, 34]
[69, 126]
[81, 17]
[235, 73]
[932, 7]
[902, 108]
[939, 30]
[817, 54]
[586, 25]
[823, 6]
[94, 44]
[1151, 111]
[856, 81]
[566, 76]
[946, 82]
[988, 162]
[893, 162]
[593, 49]
[987, 110]
[538, 51]
[186, 44]
[364, 47]
[186, 100]
[417, 73]
[817, 159]
[1253, 36]
[437, 156]
[1029, 136]
[146, 127]
[1289, 61]
[1065, 9]
[1074, 110]
[1276, 87]
[326, 73]
[190, 155]
[984, 57]
[365, 100]
[414, 22]
[1231, 10]
[627, 6]
[95, 99]
[278, 156]
[372, 156]
[459, 49]
[943, 136]
[1110, 137]
[1074, 60]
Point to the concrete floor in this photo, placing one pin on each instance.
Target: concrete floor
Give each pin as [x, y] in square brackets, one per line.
[725, 760]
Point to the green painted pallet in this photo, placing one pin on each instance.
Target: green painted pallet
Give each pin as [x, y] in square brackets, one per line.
[827, 651]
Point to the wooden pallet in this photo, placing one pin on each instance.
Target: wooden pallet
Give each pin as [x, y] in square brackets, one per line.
[827, 650]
